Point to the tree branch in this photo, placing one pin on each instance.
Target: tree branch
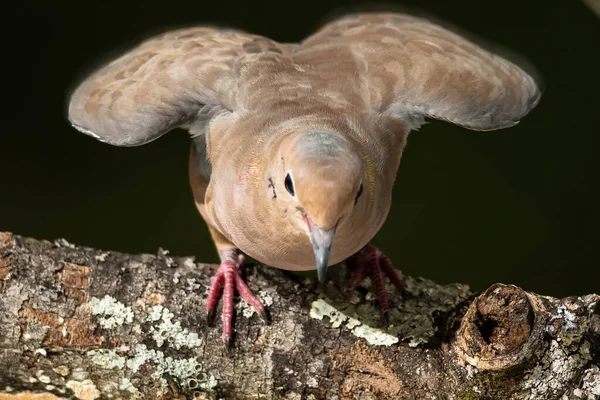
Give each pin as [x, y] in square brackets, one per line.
[83, 323]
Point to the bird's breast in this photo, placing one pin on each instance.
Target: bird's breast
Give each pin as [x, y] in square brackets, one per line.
[268, 236]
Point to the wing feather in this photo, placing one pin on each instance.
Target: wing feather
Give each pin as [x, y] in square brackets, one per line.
[180, 78]
[415, 67]
[393, 63]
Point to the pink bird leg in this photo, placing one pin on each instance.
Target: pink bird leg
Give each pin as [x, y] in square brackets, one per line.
[229, 278]
[371, 262]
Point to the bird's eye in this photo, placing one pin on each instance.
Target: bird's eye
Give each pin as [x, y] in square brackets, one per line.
[360, 190]
[289, 185]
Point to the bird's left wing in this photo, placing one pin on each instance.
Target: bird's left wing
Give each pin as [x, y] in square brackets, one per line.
[409, 67]
[181, 78]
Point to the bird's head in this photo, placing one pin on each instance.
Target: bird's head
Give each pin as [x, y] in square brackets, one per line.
[323, 179]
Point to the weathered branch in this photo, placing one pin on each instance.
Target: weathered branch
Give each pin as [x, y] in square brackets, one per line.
[83, 323]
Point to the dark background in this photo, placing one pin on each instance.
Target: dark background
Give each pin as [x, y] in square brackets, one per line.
[517, 206]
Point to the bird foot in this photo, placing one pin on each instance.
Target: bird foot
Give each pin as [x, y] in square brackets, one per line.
[229, 278]
[371, 262]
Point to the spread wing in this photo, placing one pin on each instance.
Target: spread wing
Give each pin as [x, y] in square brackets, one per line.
[181, 78]
[395, 63]
[412, 67]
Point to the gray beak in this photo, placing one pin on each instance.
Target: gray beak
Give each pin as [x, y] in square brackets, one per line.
[322, 241]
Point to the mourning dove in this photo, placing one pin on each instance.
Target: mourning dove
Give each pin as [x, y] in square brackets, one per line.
[294, 145]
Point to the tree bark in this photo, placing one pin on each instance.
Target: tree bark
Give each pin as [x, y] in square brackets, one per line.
[90, 324]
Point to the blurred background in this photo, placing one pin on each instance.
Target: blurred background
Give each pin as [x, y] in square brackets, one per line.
[515, 206]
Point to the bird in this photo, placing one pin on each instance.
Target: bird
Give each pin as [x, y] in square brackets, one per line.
[295, 146]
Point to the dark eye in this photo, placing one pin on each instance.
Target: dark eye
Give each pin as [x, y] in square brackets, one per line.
[360, 190]
[289, 185]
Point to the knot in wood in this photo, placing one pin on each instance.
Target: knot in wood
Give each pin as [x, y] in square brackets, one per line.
[497, 331]
[504, 319]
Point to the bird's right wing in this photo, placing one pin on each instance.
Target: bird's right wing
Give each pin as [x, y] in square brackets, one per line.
[412, 67]
[181, 78]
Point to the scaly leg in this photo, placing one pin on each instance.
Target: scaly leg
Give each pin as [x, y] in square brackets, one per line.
[229, 273]
[229, 278]
[370, 261]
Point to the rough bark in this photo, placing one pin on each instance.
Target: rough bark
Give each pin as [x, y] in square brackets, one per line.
[83, 323]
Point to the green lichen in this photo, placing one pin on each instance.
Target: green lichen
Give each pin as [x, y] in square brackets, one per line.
[374, 336]
[208, 384]
[127, 386]
[321, 308]
[155, 313]
[412, 321]
[568, 352]
[169, 331]
[183, 370]
[141, 356]
[590, 383]
[113, 314]
[247, 310]
[107, 359]
[110, 312]
[164, 330]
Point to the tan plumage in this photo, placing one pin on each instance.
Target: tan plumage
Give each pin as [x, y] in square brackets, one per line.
[334, 111]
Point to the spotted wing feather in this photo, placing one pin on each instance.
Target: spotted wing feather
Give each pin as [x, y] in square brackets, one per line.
[181, 78]
[414, 67]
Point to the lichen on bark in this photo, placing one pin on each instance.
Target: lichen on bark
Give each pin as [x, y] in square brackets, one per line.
[84, 323]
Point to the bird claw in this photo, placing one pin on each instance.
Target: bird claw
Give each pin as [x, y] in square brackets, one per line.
[385, 318]
[265, 316]
[210, 317]
[229, 278]
[228, 345]
[371, 262]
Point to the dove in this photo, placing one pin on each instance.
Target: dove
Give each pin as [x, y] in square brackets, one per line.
[295, 146]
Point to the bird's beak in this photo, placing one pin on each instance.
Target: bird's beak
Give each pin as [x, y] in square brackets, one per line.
[322, 241]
